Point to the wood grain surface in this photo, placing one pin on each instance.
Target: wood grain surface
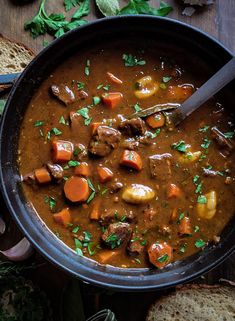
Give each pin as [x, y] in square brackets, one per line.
[219, 21]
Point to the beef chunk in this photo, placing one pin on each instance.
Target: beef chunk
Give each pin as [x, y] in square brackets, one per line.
[132, 127]
[225, 144]
[63, 93]
[113, 215]
[104, 141]
[135, 247]
[160, 166]
[76, 122]
[149, 218]
[130, 144]
[80, 151]
[55, 170]
[116, 234]
[82, 94]
[29, 178]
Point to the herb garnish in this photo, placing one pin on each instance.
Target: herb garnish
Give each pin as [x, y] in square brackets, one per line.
[113, 241]
[75, 229]
[84, 113]
[87, 68]
[96, 100]
[202, 199]
[137, 107]
[73, 163]
[196, 228]
[183, 248]
[54, 131]
[229, 134]
[78, 247]
[80, 85]
[199, 243]
[206, 143]
[131, 61]
[163, 258]
[203, 129]
[180, 146]
[142, 7]
[153, 135]
[38, 123]
[165, 79]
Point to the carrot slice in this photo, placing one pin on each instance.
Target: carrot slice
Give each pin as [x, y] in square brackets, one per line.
[173, 216]
[131, 159]
[156, 120]
[173, 191]
[114, 79]
[112, 99]
[185, 226]
[95, 212]
[160, 254]
[63, 217]
[42, 175]
[107, 255]
[94, 127]
[179, 93]
[76, 189]
[61, 150]
[105, 174]
[82, 169]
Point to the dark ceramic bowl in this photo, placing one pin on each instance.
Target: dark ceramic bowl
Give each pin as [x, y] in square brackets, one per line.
[146, 27]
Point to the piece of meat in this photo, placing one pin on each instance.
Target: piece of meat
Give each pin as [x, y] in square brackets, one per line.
[76, 122]
[130, 144]
[80, 151]
[29, 178]
[82, 94]
[116, 234]
[63, 93]
[133, 127]
[209, 173]
[115, 187]
[55, 170]
[104, 141]
[149, 217]
[225, 144]
[160, 166]
[135, 247]
[113, 215]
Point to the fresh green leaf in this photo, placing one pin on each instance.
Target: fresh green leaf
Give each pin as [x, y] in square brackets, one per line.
[80, 85]
[69, 4]
[75, 229]
[153, 135]
[183, 248]
[91, 197]
[131, 61]
[137, 107]
[87, 236]
[137, 260]
[199, 243]
[113, 241]
[63, 121]
[206, 143]
[180, 146]
[54, 131]
[87, 68]
[73, 163]
[199, 188]
[142, 7]
[181, 216]
[229, 134]
[90, 185]
[202, 199]
[91, 249]
[82, 11]
[96, 100]
[38, 123]
[2, 105]
[84, 113]
[52, 203]
[195, 179]
[163, 258]
[108, 7]
[165, 79]
[203, 129]
[196, 228]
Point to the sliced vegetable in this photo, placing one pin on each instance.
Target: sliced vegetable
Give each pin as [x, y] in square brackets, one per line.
[42, 175]
[138, 194]
[114, 79]
[160, 254]
[146, 87]
[105, 174]
[131, 159]
[173, 191]
[76, 189]
[155, 121]
[95, 212]
[206, 208]
[62, 151]
[63, 217]
[82, 170]
[185, 226]
[112, 99]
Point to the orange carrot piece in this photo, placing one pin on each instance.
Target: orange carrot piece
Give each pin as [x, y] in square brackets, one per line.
[42, 175]
[112, 99]
[94, 127]
[95, 212]
[173, 191]
[63, 217]
[114, 79]
[106, 255]
[173, 216]
[131, 159]
[82, 169]
[160, 254]
[61, 150]
[156, 120]
[185, 226]
[105, 174]
[179, 93]
[76, 189]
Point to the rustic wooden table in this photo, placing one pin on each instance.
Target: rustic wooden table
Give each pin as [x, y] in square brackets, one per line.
[219, 21]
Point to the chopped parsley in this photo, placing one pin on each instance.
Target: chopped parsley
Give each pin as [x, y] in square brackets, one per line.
[229, 134]
[75, 229]
[106, 87]
[54, 131]
[80, 85]
[163, 86]
[131, 61]
[165, 79]
[137, 107]
[113, 241]
[180, 146]
[84, 113]
[163, 258]
[199, 243]
[203, 129]
[78, 247]
[202, 199]
[153, 135]
[183, 248]
[38, 123]
[181, 216]
[51, 201]
[96, 100]
[199, 188]
[76, 151]
[206, 143]
[87, 68]
[196, 228]
[63, 121]
[73, 163]
[137, 260]
[195, 179]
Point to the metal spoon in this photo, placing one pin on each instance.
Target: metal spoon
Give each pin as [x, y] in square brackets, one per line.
[206, 91]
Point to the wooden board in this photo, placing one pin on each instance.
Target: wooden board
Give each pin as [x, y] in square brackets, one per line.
[217, 20]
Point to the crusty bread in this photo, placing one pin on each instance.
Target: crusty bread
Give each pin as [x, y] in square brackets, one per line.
[14, 57]
[195, 303]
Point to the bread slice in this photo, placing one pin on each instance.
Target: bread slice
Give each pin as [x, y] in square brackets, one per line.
[195, 303]
[14, 56]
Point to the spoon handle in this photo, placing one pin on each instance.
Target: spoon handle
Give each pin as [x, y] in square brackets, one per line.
[206, 91]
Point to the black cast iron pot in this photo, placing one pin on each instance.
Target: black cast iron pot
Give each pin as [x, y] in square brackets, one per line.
[146, 27]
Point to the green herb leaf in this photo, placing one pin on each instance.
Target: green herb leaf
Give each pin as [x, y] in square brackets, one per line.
[165, 79]
[142, 7]
[113, 241]
[199, 243]
[54, 131]
[183, 248]
[80, 85]
[195, 179]
[180, 146]
[163, 258]
[90, 185]
[202, 199]
[82, 11]
[96, 100]
[229, 134]
[38, 123]
[2, 105]
[87, 68]
[196, 228]
[108, 7]
[84, 113]
[73, 163]
[153, 135]
[91, 197]
[206, 143]
[75, 229]
[131, 61]
[137, 107]
[87, 236]
[203, 129]
[91, 249]
[199, 188]
[137, 260]
[69, 4]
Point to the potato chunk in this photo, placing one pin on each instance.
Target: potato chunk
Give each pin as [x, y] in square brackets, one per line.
[138, 194]
[190, 157]
[146, 87]
[208, 210]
